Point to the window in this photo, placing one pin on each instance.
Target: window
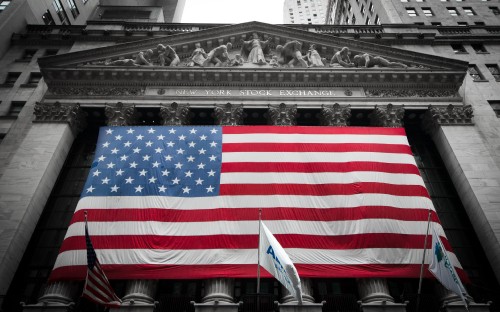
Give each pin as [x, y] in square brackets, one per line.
[367, 21]
[48, 19]
[3, 5]
[436, 24]
[496, 107]
[453, 11]
[11, 78]
[354, 20]
[427, 12]
[73, 8]
[479, 23]
[475, 73]
[494, 70]
[15, 108]
[469, 11]
[363, 9]
[35, 78]
[63, 17]
[411, 12]
[420, 0]
[462, 24]
[371, 8]
[458, 48]
[495, 10]
[479, 48]
[377, 20]
[27, 55]
[404, 0]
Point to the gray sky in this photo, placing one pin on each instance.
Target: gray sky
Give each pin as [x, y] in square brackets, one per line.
[233, 11]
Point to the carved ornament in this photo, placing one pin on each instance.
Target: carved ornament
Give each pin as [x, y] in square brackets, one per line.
[390, 116]
[447, 116]
[174, 114]
[119, 114]
[283, 115]
[335, 115]
[101, 91]
[409, 93]
[229, 114]
[61, 113]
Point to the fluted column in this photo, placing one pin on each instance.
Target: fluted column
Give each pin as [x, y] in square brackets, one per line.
[142, 291]
[219, 289]
[174, 114]
[283, 115]
[307, 292]
[229, 114]
[119, 114]
[452, 302]
[45, 146]
[335, 115]
[389, 116]
[374, 289]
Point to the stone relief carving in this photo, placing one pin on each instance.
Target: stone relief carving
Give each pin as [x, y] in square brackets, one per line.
[290, 55]
[283, 115]
[229, 114]
[174, 114]
[341, 58]
[410, 93]
[119, 114]
[167, 56]
[198, 56]
[390, 116]
[142, 58]
[97, 91]
[313, 57]
[450, 115]
[335, 115]
[254, 50]
[163, 55]
[367, 60]
[218, 56]
[60, 113]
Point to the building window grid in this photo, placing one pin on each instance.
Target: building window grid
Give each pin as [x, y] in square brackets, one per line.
[61, 13]
[34, 78]
[475, 73]
[495, 105]
[453, 11]
[48, 19]
[15, 108]
[478, 48]
[411, 12]
[3, 5]
[73, 8]
[469, 11]
[11, 78]
[494, 70]
[427, 12]
[458, 48]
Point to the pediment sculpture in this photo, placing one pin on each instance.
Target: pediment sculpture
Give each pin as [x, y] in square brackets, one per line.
[258, 51]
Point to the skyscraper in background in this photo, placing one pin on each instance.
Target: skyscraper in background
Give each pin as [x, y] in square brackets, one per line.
[305, 11]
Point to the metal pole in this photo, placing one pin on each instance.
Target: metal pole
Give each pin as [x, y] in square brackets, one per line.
[423, 261]
[258, 255]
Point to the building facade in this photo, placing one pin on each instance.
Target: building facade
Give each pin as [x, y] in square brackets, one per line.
[55, 98]
[305, 12]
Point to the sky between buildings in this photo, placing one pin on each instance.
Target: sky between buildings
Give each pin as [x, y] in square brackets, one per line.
[233, 11]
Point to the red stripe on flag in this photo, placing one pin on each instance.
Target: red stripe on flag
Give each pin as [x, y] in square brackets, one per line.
[313, 130]
[323, 189]
[315, 147]
[271, 213]
[340, 242]
[319, 167]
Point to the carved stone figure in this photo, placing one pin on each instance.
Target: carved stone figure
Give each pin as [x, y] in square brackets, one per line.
[142, 58]
[342, 58]
[218, 56]
[274, 60]
[198, 57]
[254, 49]
[313, 57]
[238, 60]
[367, 60]
[290, 54]
[167, 56]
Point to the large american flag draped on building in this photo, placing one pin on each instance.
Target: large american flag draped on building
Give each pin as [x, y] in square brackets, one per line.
[183, 202]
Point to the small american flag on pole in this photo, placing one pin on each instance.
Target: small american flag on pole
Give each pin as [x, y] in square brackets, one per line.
[97, 287]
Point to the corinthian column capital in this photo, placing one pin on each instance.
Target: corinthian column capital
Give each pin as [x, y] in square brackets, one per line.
[174, 114]
[56, 112]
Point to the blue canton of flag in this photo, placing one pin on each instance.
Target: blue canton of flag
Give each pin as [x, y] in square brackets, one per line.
[170, 161]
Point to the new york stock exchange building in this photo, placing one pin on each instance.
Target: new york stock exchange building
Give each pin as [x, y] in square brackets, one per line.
[126, 113]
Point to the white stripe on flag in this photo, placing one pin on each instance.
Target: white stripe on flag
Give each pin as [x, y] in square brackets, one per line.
[314, 138]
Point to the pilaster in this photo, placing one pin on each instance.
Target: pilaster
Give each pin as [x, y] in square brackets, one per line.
[174, 114]
[335, 115]
[375, 297]
[389, 116]
[283, 115]
[119, 114]
[26, 185]
[229, 114]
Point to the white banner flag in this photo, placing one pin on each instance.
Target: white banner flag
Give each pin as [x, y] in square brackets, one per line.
[274, 259]
[443, 270]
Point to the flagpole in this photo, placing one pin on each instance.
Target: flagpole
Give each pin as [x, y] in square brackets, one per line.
[423, 260]
[258, 255]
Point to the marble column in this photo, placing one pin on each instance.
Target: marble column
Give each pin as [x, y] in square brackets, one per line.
[219, 291]
[283, 115]
[335, 115]
[375, 297]
[374, 292]
[139, 296]
[119, 114]
[452, 302]
[46, 146]
[174, 114]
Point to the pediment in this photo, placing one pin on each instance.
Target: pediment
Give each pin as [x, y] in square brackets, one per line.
[285, 55]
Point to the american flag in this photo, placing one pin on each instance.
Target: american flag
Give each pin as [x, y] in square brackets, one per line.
[97, 287]
[183, 202]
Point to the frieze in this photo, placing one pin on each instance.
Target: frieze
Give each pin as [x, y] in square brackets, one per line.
[174, 114]
[229, 114]
[60, 113]
[97, 91]
[410, 93]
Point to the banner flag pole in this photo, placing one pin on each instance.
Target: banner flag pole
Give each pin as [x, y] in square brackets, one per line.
[258, 255]
[423, 261]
